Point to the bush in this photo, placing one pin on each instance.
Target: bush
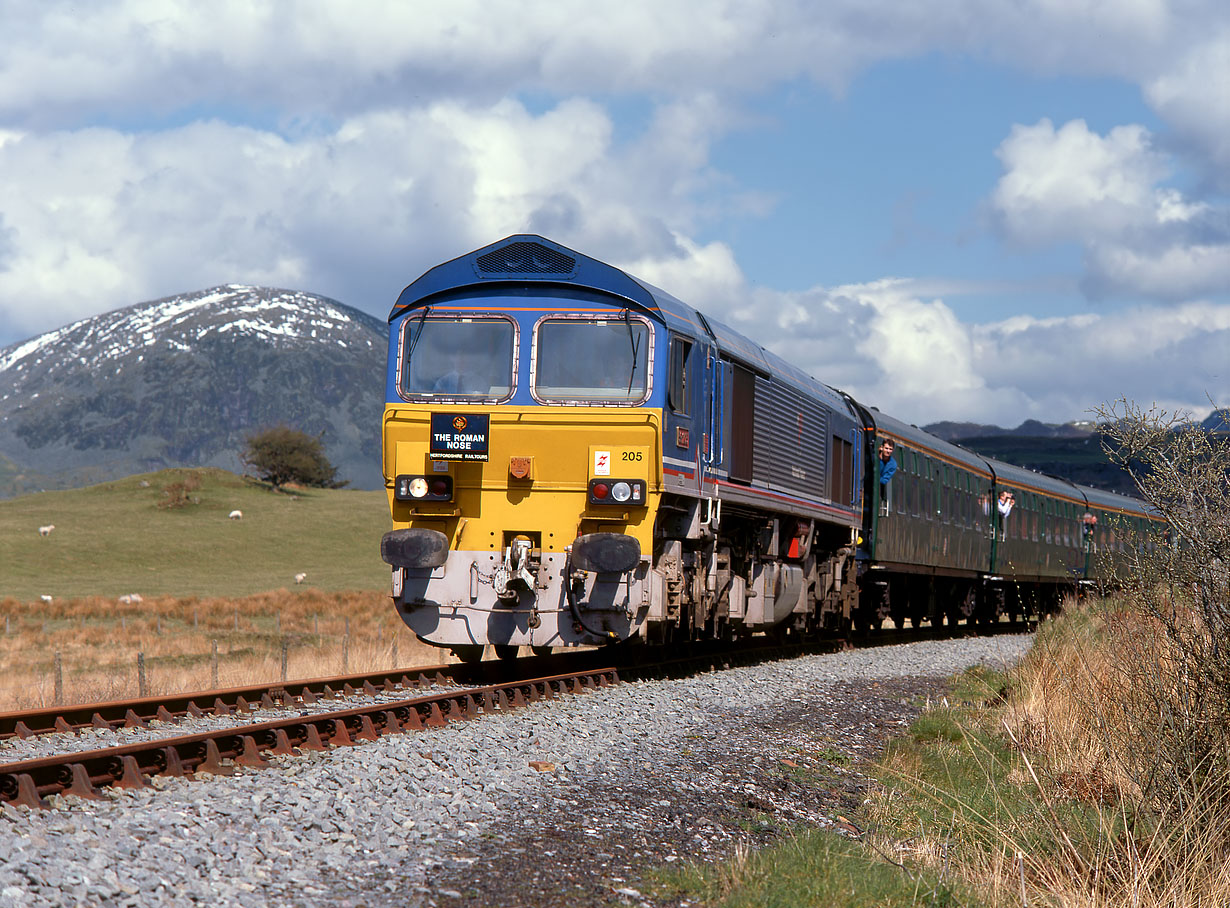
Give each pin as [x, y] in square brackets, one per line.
[178, 494]
[1177, 585]
[282, 455]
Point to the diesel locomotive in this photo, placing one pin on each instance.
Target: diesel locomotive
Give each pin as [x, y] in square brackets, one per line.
[573, 456]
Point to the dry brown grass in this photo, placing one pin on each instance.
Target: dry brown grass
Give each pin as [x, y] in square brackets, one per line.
[98, 640]
[1064, 792]
[1097, 711]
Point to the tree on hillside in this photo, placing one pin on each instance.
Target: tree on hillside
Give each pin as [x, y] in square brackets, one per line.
[281, 454]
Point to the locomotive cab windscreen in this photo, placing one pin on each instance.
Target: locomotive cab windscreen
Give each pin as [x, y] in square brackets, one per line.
[592, 360]
[458, 357]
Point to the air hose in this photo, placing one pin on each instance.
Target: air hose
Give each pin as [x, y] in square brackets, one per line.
[608, 636]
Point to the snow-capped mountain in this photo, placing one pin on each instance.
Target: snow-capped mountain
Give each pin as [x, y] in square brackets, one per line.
[182, 381]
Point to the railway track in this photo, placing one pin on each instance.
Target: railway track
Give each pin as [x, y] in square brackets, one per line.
[462, 692]
[218, 751]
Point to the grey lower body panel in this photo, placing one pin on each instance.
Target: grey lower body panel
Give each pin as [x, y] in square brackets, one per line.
[457, 604]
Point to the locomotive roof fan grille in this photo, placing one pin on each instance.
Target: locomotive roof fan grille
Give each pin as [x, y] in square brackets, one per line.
[523, 258]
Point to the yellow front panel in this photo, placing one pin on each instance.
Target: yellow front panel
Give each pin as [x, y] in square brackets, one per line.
[490, 504]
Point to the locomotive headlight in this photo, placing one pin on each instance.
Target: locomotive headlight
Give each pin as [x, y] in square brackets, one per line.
[617, 491]
[423, 488]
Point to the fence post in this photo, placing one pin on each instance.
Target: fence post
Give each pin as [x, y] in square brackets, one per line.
[285, 648]
[141, 686]
[346, 653]
[213, 667]
[59, 680]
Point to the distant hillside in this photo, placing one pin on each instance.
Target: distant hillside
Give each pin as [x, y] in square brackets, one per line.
[182, 381]
[1072, 451]
[1031, 428]
[1080, 460]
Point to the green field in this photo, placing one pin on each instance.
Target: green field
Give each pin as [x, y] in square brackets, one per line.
[114, 538]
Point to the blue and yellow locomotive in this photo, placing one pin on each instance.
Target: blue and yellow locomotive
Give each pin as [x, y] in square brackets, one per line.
[574, 456]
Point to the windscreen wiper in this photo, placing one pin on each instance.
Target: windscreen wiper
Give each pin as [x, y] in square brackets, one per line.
[417, 334]
[633, 341]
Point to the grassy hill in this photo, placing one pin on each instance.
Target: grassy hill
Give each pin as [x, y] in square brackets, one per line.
[114, 538]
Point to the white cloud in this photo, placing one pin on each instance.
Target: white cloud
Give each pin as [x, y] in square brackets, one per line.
[914, 359]
[1192, 95]
[1069, 183]
[1176, 272]
[58, 58]
[693, 272]
[96, 219]
[1104, 194]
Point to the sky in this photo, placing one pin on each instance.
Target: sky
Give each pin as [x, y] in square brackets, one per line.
[954, 209]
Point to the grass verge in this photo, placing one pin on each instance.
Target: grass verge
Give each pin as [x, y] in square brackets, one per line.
[1032, 788]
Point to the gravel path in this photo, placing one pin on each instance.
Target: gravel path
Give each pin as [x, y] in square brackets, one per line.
[561, 803]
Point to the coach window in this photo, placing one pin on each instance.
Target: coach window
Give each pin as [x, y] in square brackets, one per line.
[679, 390]
[901, 481]
[586, 360]
[450, 358]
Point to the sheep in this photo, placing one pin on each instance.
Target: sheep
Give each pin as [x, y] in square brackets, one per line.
[46, 531]
[130, 598]
[46, 598]
[300, 577]
[235, 515]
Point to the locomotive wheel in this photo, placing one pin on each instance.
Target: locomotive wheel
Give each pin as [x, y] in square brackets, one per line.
[505, 650]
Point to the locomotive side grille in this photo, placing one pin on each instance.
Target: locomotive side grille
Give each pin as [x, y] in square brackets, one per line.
[523, 258]
[791, 440]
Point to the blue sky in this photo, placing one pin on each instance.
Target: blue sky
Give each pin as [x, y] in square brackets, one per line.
[963, 209]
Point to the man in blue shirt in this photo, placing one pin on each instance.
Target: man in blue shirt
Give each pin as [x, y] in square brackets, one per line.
[888, 465]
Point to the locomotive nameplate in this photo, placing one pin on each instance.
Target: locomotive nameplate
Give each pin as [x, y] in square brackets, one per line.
[460, 436]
